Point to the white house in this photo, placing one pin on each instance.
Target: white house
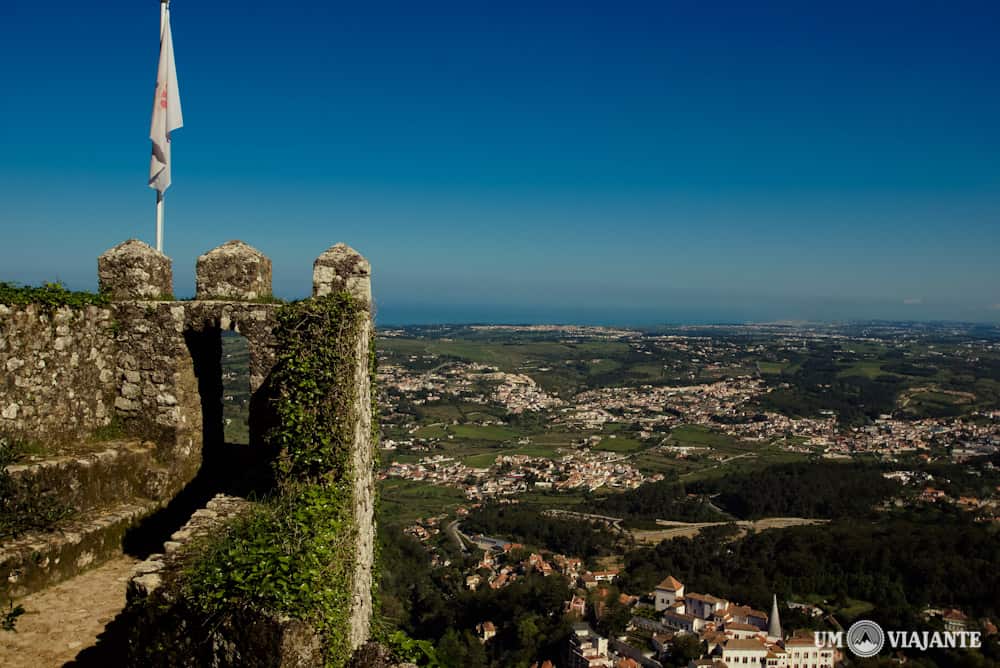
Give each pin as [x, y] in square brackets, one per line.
[803, 653]
[587, 649]
[703, 605]
[749, 652]
[741, 631]
[667, 593]
[681, 622]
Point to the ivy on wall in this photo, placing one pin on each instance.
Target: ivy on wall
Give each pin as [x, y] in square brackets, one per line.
[316, 397]
[295, 553]
[292, 555]
[48, 295]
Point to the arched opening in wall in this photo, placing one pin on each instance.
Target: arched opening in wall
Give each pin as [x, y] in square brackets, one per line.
[235, 388]
[233, 422]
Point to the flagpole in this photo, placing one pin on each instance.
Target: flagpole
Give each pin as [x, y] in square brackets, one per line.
[159, 195]
[159, 221]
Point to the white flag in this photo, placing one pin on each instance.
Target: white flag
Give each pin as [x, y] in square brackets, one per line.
[167, 115]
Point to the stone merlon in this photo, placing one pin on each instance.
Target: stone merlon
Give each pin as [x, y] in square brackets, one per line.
[135, 270]
[340, 267]
[233, 271]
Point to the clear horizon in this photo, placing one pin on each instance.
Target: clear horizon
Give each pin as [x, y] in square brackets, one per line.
[644, 163]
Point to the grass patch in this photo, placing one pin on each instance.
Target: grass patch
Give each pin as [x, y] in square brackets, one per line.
[603, 366]
[771, 368]
[854, 608]
[481, 461]
[758, 461]
[481, 433]
[404, 501]
[619, 445]
[650, 462]
[403, 457]
[850, 608]
[440, 412]
[557, 438]
[548, 499]
[648, 370]
[431, 431]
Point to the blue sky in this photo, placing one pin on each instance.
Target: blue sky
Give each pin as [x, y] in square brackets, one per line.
[621, 162]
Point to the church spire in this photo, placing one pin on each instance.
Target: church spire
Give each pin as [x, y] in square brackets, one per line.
[774, 621]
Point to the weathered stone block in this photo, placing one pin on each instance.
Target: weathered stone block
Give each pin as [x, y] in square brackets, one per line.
[135, 270]
[339, 268]
[235, 271]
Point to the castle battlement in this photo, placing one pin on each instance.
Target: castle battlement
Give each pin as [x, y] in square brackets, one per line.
[150, 366]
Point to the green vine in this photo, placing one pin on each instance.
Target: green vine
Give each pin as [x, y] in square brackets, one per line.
[295, 553]
[420, 652]
[314, 382]
[50, 295]
[292, 555]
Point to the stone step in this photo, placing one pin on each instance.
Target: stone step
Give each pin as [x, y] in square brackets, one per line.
[37, 560]
[114, 473]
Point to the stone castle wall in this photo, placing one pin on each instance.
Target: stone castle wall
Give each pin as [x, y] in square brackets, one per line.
[153, 366]
[57, 371]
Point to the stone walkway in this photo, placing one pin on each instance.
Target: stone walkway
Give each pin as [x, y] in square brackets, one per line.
[62, 623]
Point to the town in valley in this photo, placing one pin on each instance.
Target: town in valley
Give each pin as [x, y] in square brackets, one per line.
[568, 464]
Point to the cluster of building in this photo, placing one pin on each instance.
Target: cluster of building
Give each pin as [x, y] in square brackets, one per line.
[518, 392]
[719, 396]
[659, 406]
[983, 508]
[505, 562]
[515, 474]
[730, 634]
[426, 530]
[469, 381]
[566, 332]
[725, 405]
